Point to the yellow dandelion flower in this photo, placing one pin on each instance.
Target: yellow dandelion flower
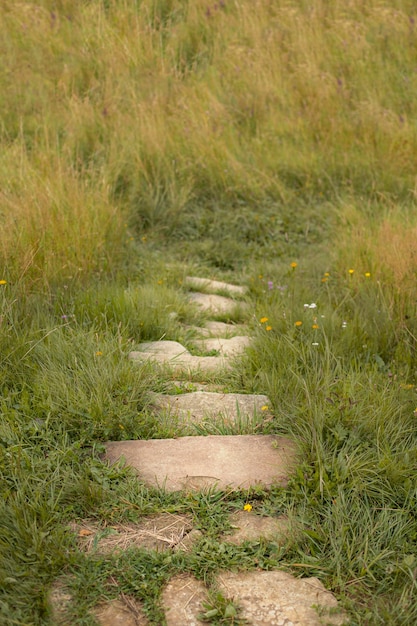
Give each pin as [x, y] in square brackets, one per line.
[351, 272]
[368, 274]
[99, 353]
[264, 407]
[263, 320]
[160, 282]
[324, 280]
[247, 507]
[298, 323]
[260, 276]
[326, 274]
[315, 326]
[3, 282]
[294, 265]
[268, 328]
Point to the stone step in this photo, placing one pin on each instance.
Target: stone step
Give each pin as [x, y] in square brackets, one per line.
[198, 406]
[214, 286]
[196, 463]
[212, 329]
[178, 358]
[235, 346]
[271, 598]
[217, 305]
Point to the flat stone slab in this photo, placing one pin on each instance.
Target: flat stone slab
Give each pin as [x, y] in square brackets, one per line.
[214, 286]
[219, 329]
[277, 599]
[178, 358]
[235, 346]
[124, 611]
[195, 463]
[182, 600]
[157, 532]
[218, 305]
[251, 527]
[197, 406]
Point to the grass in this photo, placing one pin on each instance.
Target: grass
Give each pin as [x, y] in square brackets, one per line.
[266, 144]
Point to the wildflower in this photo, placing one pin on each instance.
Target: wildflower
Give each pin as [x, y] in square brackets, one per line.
[160, 282]
[260, 276]
[298, 323]
[263, 320]
[313, 305]
[405, 386]
[344, 324]
[247, 507]
[3, 282]
[315, 326]
[121, 427]
[351, 272]
[99, 353]
[264, 407]
[314, 343]
[144, 238]
[270, 284]
[268, 328]
[368, 274]
[324, 280]
[326, 274]
[294, 265]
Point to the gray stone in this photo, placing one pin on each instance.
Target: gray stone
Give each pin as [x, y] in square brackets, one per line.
[232, 347]
[178, 359]
[158, 532]
[195, 463]
[218, 329]
[125, 611]
[251, 527]
[277, 599]
[197, 406]
[218, 305]
[213, 286]
[182, 600]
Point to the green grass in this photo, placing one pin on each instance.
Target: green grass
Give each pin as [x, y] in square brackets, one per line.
[143, 142]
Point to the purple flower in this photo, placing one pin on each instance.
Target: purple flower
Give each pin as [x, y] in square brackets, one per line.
[270, 284]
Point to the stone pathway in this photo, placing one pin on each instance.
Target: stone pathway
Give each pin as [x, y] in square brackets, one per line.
[194, 463]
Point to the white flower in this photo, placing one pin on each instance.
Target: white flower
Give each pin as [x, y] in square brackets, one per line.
[313, 305]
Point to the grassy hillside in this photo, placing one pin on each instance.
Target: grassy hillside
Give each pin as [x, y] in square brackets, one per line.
[144, 140]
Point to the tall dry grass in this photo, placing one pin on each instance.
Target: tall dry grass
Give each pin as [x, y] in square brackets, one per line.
[142, 108]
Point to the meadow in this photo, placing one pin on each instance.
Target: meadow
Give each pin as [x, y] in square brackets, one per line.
[269, 143]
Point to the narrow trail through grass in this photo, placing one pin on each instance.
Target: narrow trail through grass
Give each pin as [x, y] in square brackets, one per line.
[270, 145]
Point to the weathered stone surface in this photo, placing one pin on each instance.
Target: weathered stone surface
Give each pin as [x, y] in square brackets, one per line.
[158, 532]
[188, 540]
[182, 601]
[278, 599]
[251, 527]
[200, 405]
[195, 463]
[219, 329]
[60, 599]
[178, 359]
[218, 305]
[234, 346]
[126, 611]
[214, 286]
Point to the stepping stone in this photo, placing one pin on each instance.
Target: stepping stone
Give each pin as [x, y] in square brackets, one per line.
[158, 532]
[60, 599]
[251, 527]
[220, 461]
[277, 598]
[178, 358]
[126, 611]
[214, 286]
[232, 347]
[218, 305]
[183, 599]
[213, 329]
[198, 406]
